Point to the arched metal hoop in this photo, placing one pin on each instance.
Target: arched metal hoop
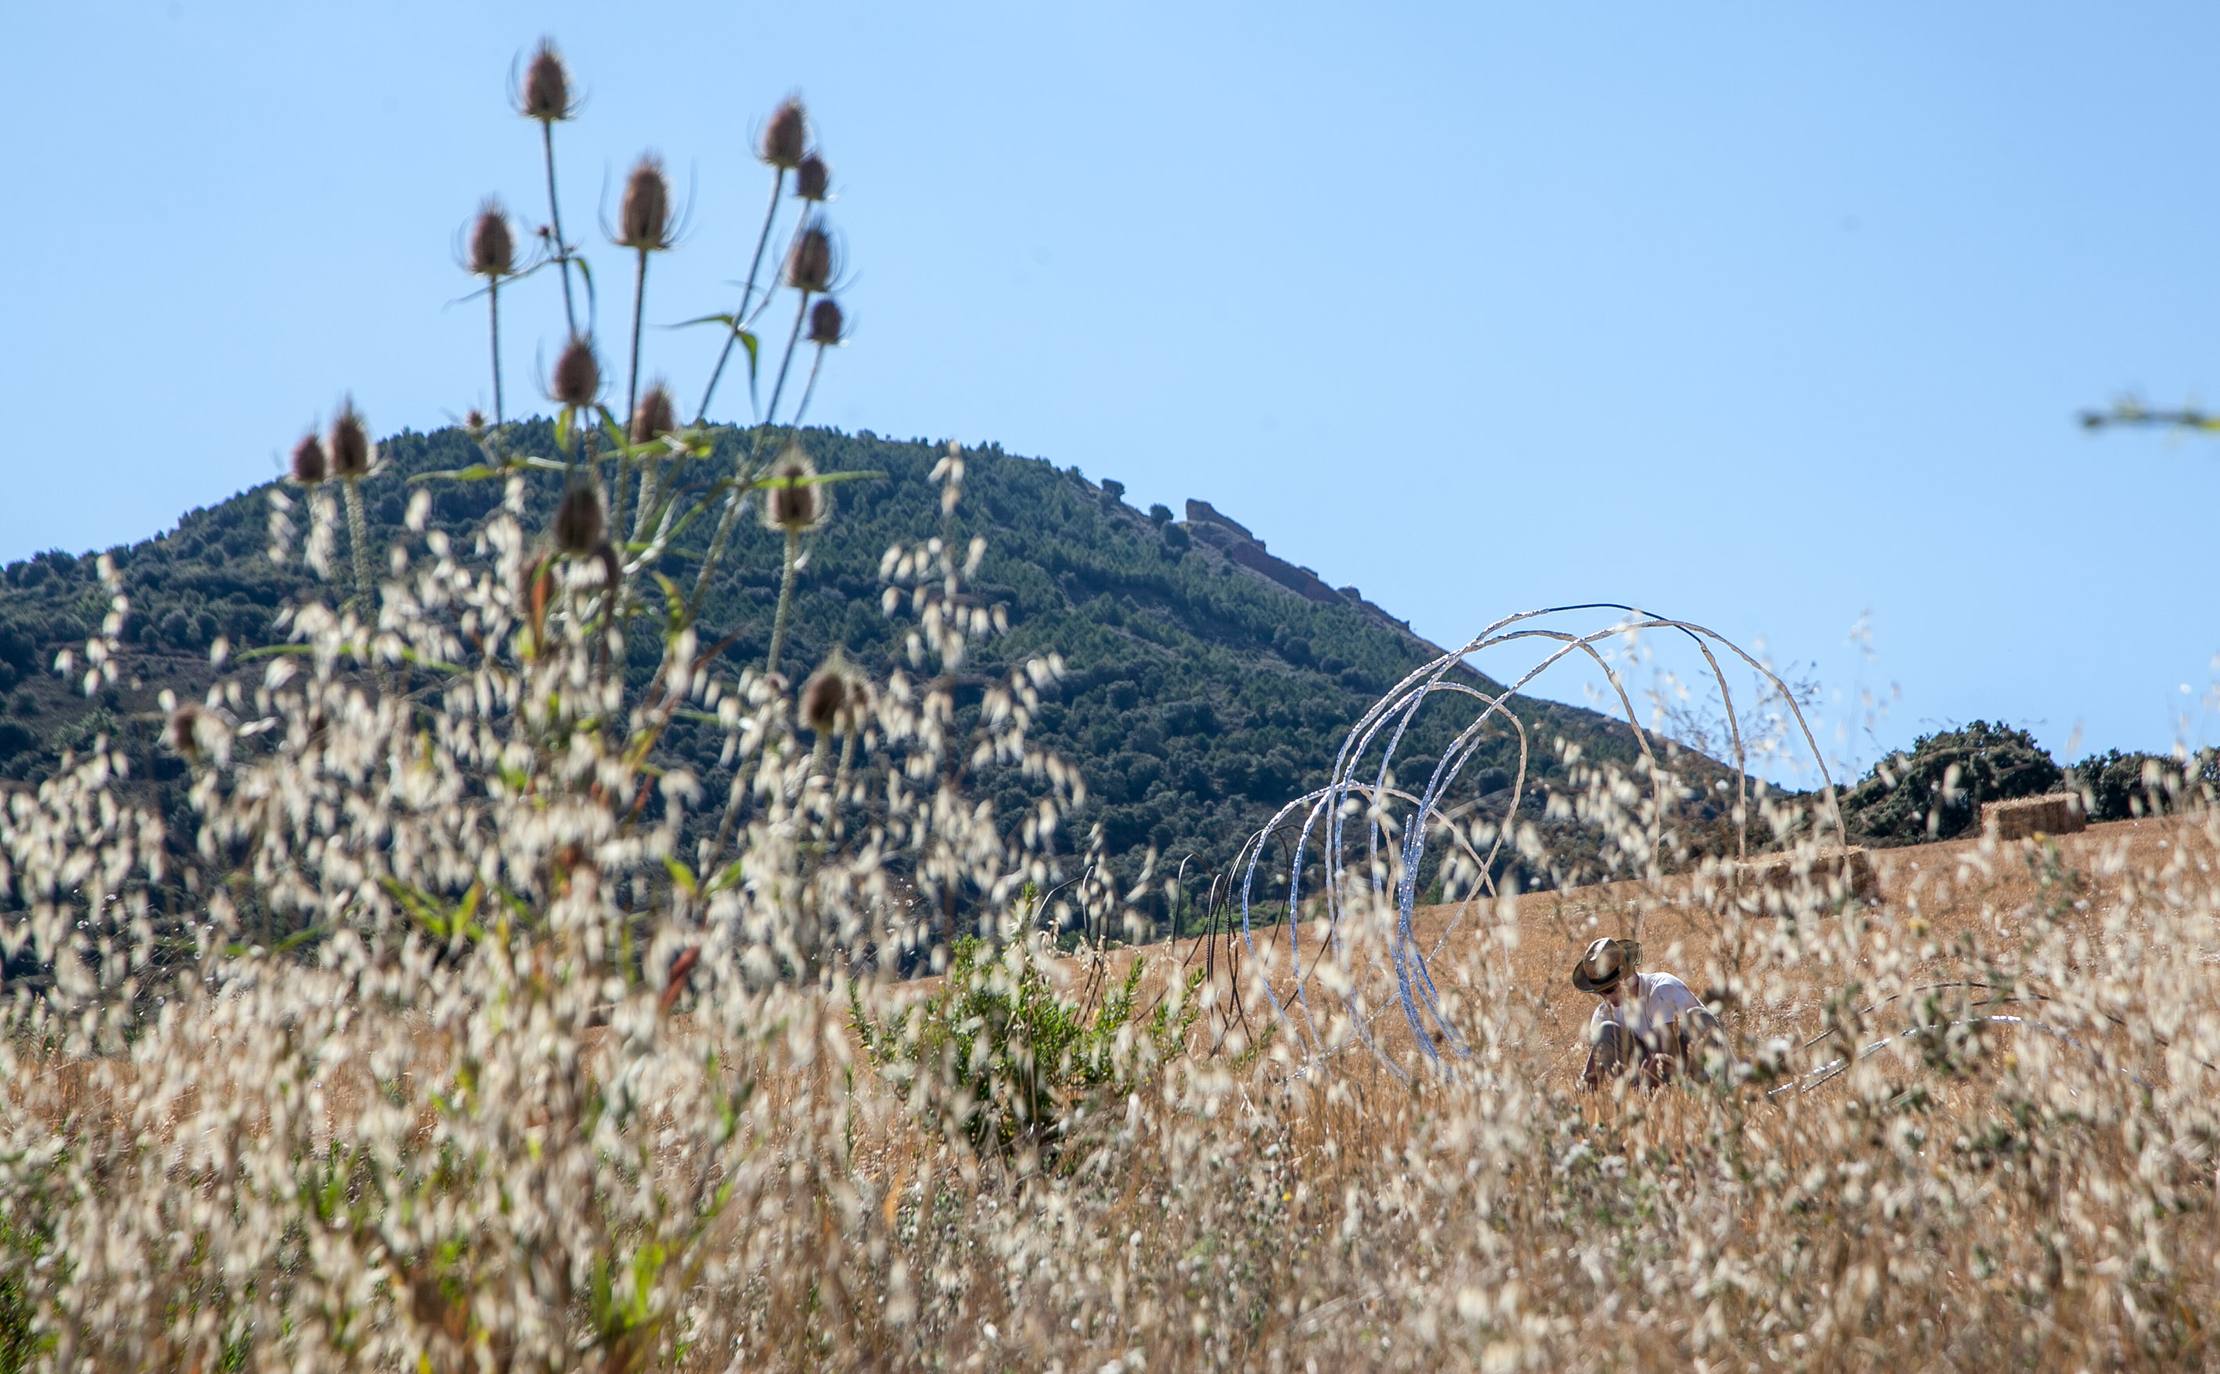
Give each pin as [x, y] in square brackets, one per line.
[1325, 812]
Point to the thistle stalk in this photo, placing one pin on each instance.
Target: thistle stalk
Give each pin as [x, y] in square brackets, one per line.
[786, 601]
[840, 777]
[747, 292]
[716, 551]
[358, 539]
[809, 387]
[493, 329]
[801, 313]
[555, 222]
[631, 398]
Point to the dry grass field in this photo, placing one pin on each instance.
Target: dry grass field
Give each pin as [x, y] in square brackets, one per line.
[1945, 912]
[2012, 1193]
[2005, 1191]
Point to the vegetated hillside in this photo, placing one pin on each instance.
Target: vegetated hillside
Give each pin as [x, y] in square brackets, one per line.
[1208, 681]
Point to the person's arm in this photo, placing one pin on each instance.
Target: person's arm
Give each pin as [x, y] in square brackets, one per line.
[1591, 1073]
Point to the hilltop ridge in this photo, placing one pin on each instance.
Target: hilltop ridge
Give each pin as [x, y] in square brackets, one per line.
[1208, 682]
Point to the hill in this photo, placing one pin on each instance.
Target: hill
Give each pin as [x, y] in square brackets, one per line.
[1208, 680]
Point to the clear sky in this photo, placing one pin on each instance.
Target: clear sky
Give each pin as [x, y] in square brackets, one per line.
[1773, 316]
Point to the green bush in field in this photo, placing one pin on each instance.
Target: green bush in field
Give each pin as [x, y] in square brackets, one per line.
[999, 1055]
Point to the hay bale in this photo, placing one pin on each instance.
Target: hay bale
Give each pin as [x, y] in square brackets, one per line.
[1829, 873]
[2053, 813]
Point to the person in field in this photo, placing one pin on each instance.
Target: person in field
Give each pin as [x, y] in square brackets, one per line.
[1647, 1023]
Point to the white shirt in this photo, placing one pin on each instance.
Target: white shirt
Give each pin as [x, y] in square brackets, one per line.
[1653, 1007]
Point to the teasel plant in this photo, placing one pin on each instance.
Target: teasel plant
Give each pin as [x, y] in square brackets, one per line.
[445, 870]
[352, 455]
[784, 149]
[648, 514]
[794, 504]
[544, 97]
[491, 254]
[810, 268]
[644, 226]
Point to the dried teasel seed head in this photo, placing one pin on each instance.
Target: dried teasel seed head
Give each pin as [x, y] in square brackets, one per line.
[786, 137]
[655, 415]
[578, 521]
[644, 219]
[349, 446]
[826, 322]
[793, 500]
[836, 699]
[825, 699]
[545, 94]
[860, 700]
[577, 380]
[810, 266]
[812, 179]
[492, 246]
[184, 730]
[309, 464]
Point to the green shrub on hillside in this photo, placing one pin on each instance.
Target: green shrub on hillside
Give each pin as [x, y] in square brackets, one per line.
[1936, 790]
[2118, 786]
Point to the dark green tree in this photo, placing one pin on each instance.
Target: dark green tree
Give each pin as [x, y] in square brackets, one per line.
[1936, 790]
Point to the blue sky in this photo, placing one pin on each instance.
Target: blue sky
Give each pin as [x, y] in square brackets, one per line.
[1774, 317]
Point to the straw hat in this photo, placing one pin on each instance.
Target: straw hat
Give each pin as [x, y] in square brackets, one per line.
[1604, 964]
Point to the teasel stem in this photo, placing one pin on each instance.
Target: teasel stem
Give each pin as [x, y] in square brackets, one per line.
[717, 542]
[555, 221]
[725, 523]
[358, 537]
[730, 824]
[647, 499]
[631, 402]
[786, 601]
[809, 387]
[801, 313]
[755, 266]
[650, 491]
[840, 777]
[707, 858]
[612, 596]
[493, 328]
[817, 754]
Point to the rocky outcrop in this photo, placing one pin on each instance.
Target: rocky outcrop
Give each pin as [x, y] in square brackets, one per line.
[1301, 581]
[1203, 513]
[1210, 526]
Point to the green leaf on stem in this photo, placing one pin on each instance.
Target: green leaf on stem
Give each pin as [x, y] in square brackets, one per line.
[476, 472]
[748, 339]
[815, 480]
[593, 306]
